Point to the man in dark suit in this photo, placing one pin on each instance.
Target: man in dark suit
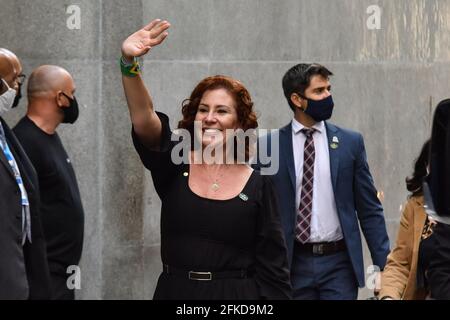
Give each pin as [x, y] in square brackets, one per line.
[23, 263]
[325, 188]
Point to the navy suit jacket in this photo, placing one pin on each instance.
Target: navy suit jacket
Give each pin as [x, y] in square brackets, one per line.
[354, 192]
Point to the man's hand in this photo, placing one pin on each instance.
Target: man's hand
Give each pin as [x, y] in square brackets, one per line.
[140, 42]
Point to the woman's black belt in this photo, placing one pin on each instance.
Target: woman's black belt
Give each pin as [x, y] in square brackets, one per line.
[205, 275]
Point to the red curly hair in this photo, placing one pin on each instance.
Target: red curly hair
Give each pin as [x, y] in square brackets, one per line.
[244, 105]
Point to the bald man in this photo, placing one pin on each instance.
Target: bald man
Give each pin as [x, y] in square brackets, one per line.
[51, 102]
[18, 75]
[24, 270]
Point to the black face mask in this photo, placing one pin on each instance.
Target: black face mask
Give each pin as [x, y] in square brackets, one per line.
[71, 112]
[18, 96]
[320, 110]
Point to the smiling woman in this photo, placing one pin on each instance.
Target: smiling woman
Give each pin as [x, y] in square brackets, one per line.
[219, 103]
[221, 236]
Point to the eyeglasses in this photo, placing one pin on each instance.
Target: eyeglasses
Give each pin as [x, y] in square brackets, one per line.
[21, 78]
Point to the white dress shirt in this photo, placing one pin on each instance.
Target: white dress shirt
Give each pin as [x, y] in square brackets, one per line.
[325, 225]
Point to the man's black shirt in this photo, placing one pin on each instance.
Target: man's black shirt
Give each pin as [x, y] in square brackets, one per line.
[61, 207]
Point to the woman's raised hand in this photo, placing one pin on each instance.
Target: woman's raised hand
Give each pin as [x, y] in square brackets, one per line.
[140, 42]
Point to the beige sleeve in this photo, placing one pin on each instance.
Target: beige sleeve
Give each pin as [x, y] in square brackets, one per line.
[398, 266]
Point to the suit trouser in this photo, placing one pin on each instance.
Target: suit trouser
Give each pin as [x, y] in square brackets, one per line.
[323, 277]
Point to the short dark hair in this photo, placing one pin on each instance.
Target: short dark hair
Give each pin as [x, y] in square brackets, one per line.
[298, 78]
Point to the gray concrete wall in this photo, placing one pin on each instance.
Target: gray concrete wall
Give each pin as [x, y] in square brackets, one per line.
[386, 84]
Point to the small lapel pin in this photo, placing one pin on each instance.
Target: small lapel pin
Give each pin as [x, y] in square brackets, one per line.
[185, 174]
[243, 196]
[335, 142]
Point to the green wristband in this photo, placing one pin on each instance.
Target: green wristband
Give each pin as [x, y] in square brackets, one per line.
[130, 70]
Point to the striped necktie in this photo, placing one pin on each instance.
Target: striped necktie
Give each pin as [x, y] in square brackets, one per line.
[303, 228]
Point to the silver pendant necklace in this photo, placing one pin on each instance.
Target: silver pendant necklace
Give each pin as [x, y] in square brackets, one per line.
[215, 185]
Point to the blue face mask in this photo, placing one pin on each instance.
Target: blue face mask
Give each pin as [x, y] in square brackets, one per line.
[320, 110]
